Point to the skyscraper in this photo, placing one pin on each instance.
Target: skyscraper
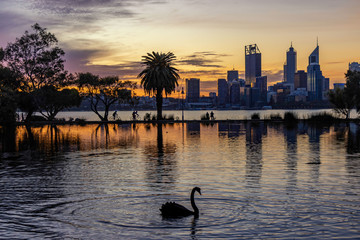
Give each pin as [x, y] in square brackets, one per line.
[223, 91]
[192, 90]
[314, 77]
[232, 75]
[252, 64]
[300, 79]
[290, 65]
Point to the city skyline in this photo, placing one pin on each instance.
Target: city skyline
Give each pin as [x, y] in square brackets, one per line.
[109, 37]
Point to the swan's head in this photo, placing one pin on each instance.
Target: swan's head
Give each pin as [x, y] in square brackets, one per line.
[198, 190]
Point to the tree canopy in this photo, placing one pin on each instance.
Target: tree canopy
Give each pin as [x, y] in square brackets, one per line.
[159, 76]
[344, 100]
[104, 91]
[37, 58]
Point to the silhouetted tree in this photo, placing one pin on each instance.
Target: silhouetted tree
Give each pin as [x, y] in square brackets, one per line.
[353, 87]
[37, 58]
[344, 100]
[9, 83]
[52, 100]
[159, 76]
[342, 103]
[104, 92]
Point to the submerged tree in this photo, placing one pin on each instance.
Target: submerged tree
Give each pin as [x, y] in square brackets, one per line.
[37, 58]
[159, 76]
[104, 92]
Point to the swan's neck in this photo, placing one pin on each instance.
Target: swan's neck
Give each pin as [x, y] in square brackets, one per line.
[196, 210]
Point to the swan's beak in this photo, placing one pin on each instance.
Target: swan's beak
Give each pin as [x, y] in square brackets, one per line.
[200, 192]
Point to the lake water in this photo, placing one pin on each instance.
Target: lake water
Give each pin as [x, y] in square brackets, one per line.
[258, 181]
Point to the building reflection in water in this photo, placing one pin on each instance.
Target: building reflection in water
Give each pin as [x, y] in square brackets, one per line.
[254, 162]
[291, 157]
[353, 154]
[314, 132]
[231, 130]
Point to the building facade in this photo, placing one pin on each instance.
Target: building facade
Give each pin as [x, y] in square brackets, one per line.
[290, 67]
[300, 79]
[232, 75]
[223, 92]
[315, 78]
[192, 90]
[252, 64]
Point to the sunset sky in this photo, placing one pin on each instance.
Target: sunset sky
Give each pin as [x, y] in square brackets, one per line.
[108, 37]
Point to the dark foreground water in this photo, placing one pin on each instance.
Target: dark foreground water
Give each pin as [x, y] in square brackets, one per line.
[259, 181]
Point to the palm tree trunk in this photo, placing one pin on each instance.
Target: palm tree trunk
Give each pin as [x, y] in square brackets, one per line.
[159, 102]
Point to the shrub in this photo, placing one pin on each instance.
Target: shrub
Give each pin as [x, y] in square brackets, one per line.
[255, 116]
[290, 116]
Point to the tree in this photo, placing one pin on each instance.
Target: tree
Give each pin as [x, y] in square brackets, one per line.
[37, 58]
[52, 100]
[9, 83]
[104, 92]
[353, 87]
[342, 102]
[159, 76]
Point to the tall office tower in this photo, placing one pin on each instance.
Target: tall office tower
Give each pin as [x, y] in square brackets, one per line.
[354, 66]
[232, 75]
[235, 92]
[314, 77]
[300, 79]
[252, 64]
[192, 90]
[223, 91]
[261, 84]
[290, 66]
[326, 88]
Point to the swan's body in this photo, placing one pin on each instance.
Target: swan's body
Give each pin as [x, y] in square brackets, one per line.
[172, 209]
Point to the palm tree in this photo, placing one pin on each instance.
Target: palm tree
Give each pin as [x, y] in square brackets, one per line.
[159, 76]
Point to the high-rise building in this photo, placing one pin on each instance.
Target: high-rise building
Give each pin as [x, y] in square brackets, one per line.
[354, 66]
[290, 66]
[315, 78]
[261, 84]
[235, 92]
[252, 64]
[326, 88]
[300, 79]
[192, 90]
[232, 75]
[223, 92]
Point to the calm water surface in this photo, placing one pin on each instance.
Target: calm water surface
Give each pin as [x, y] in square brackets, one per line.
[259, 181]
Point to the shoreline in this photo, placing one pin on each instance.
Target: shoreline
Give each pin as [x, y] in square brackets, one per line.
[42, 123]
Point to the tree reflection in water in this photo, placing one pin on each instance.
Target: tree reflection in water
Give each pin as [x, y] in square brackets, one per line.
[161, 162]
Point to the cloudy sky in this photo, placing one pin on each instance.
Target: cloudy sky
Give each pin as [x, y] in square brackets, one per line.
[108, 37]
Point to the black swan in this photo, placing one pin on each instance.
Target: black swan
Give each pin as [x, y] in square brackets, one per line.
[172, 209]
